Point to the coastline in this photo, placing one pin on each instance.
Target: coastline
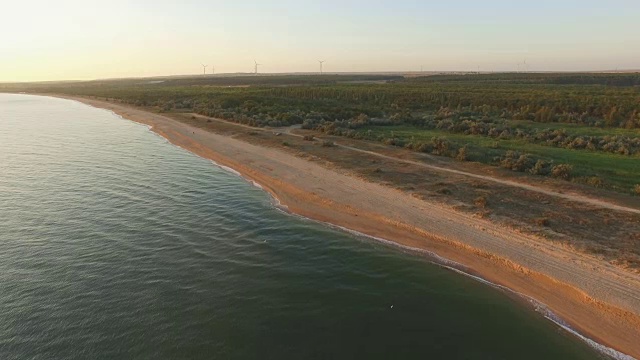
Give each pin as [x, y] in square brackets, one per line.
[595, 311]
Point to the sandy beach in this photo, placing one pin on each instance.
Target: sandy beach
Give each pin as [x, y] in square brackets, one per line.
[597, 299]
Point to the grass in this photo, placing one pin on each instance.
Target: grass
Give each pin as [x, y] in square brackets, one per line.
[574, 129]
[618, 171]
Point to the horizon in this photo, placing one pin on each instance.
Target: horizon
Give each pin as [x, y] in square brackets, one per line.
[77, 41]
[334, 73]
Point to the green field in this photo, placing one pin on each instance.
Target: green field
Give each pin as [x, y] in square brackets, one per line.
[619, 171]
[575, 128]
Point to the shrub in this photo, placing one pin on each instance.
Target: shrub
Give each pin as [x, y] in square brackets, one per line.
[522, 163]
[440, 145]
[308, 137]
[515, 161]
[426, 148]
[562, 171]
[636, 189]
[286, 143]
[328, 143]
[462, 154]
[595, 181]
[540, 168]
[508, 159]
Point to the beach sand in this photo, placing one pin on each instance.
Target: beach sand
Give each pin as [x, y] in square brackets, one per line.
[597, 299]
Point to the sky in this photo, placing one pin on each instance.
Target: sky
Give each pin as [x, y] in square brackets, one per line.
[43, 40]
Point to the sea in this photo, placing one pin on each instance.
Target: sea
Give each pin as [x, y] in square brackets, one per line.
[116, 244]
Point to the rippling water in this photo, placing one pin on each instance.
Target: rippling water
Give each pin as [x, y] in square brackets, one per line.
[116, 244]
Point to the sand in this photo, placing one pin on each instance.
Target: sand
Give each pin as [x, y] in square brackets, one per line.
[597, 299]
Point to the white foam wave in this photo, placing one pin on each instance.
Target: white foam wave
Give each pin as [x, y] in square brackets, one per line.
[257, 185]
[226, 168]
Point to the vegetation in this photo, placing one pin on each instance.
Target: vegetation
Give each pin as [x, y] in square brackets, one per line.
[577, 127]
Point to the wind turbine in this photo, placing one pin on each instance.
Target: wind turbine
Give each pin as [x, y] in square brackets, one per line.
[213, 69]
[321, 62]
[256, 67]
[204, 69]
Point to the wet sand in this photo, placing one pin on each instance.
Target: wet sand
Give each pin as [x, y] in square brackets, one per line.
[597, 299]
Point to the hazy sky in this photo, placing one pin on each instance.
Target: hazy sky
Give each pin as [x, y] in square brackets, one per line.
[73, 39]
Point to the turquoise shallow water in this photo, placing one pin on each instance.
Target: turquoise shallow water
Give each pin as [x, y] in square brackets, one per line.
[116, 244]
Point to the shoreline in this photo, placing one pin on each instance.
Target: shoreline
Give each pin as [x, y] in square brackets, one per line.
[615, 327]
[433, 258]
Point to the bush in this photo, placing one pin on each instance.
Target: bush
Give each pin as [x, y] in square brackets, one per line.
[523, 163]
[308, 137]
[636, 189]
[462, 154]
[562, 171]
[540, 168]
[515, 161]
[440, 145]
[328, 143]
[425, 148]
[286, 143]
[595, 181]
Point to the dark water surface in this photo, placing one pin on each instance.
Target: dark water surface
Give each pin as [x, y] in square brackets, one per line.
[115, 244]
